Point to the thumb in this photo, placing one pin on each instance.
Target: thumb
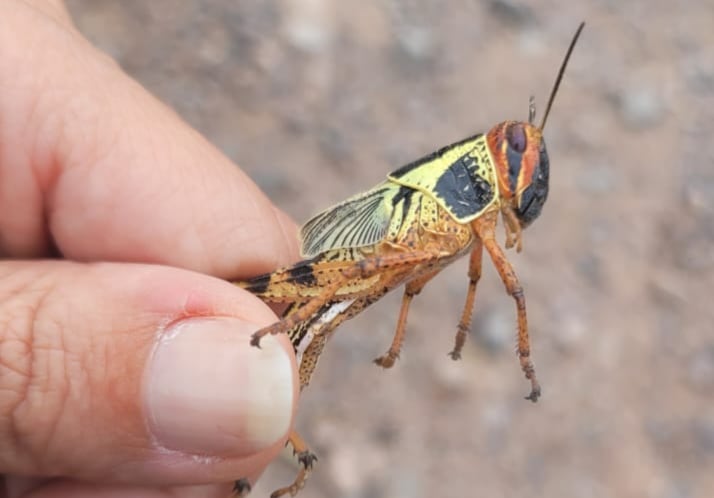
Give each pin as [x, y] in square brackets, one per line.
[127, 373]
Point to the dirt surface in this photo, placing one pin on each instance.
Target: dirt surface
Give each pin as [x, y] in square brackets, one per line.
[317, 100]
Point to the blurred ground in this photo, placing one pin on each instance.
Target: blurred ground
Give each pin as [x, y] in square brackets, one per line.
[318, 100]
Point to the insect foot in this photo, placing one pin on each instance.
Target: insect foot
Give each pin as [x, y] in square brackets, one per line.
[386, 361]
[241, 488]
[455, 355]
[269, 330]
[535, 393]
[307, 459]
[461, 334]
[255, 340]
[530, 375]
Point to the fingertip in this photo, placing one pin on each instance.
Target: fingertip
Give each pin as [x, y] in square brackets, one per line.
[163, 384]
[208, 391]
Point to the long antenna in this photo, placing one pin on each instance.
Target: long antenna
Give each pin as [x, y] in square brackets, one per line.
[560, 74]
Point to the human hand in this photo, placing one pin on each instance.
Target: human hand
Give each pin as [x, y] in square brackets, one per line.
[120, 376]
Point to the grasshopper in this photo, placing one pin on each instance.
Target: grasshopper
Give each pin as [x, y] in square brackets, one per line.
[405, 230]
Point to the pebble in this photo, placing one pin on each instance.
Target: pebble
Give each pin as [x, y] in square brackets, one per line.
[416, 41]
[589, 266]
[701, 368]
[698, 72]
[450, 376]
[309, 25]
[495, 329]
[353, 465]
[641, 107]
[570, 333]
[596, 179]
[703, 433]
[513, 11]
[404, 483]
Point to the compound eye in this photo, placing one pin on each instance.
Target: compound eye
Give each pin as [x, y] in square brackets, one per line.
[516, 137]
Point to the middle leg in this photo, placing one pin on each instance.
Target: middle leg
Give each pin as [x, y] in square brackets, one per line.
[465, 322]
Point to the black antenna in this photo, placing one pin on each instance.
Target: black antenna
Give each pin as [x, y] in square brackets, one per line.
[560, 74]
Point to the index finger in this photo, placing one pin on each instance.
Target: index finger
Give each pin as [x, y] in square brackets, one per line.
[101, 170]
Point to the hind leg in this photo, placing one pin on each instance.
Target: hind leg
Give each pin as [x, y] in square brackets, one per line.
[411, 289]
[306, 459]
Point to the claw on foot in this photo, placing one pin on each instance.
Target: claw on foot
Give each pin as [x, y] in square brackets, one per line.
[455, 355]
[307, 459]
[273, 329]
[242, 488]
[535, 392]
[386, 361]
[255, 340]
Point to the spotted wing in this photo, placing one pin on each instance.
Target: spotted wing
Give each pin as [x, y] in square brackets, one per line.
[360, 221]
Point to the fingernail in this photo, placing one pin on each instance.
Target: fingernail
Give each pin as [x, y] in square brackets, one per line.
[208, 391]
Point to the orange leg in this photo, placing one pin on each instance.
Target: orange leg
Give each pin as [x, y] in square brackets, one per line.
[465, 322]
[306, 459]
[411, 289]
[484, 227]
[364, 268]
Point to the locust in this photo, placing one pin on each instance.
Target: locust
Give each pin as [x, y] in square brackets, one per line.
[404, 231]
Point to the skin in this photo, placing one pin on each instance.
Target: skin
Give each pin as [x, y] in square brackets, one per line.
[117, 221]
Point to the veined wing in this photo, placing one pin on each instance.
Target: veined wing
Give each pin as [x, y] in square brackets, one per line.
[360, 221]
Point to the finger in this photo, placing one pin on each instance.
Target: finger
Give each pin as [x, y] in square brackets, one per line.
[64, 488]
[136, 373]
[94, 166]
[55, 9]
[20, 487]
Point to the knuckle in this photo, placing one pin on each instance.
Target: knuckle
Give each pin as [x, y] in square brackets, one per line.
[33, 375]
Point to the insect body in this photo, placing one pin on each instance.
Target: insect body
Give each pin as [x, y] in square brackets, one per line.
[425, 215]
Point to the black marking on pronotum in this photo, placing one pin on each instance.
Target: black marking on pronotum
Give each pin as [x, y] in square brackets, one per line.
[482, 189]
[302, 273]
[462, 195]
[430, 157]
[484, 192]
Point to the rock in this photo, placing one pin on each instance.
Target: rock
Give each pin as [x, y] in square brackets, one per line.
[703, 434]
[641, 107]
[495, 328]
[596, 179]
[700, 371]
[512, 11]
[416, 41]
